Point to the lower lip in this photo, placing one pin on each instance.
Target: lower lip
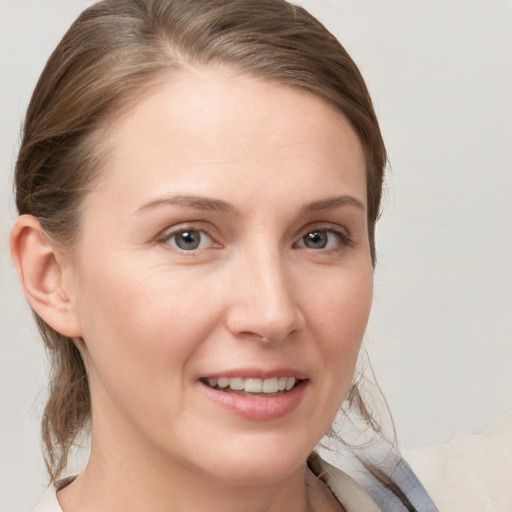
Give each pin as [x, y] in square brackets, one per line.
[258, 408]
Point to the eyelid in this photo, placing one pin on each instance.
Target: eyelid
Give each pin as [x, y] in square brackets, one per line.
[346, 239]
[199, 226]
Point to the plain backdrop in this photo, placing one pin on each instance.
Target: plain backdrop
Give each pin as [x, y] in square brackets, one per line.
[440, 334]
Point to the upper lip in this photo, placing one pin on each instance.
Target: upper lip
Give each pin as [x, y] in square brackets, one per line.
[257, 373]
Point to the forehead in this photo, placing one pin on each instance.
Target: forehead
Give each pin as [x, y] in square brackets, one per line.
[204, 128]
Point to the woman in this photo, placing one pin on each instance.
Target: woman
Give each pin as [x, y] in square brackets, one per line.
[198, 186]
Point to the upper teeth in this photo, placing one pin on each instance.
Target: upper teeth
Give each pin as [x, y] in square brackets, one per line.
[254, 385]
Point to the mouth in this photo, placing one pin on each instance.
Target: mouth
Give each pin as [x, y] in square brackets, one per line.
[272, 387]
[257, 396]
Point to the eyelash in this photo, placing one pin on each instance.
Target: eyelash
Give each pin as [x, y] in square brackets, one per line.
[166, 236]
[344, 239]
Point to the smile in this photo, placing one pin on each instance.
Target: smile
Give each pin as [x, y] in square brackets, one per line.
[252, 385]
[254, 398]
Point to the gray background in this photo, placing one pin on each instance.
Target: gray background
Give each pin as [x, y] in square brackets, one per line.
[440, 335]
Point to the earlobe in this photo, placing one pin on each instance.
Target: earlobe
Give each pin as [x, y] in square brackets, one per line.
[41, 276]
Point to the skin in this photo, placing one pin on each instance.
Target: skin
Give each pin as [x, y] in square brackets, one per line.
[155, 319]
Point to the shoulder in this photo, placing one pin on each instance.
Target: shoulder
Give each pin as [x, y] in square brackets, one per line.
[365, 493]
[346, 490]
[49, 503]
[472, 472]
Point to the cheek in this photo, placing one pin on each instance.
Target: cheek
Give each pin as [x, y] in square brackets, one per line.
[141, 326]
[146, 303]
[339, 315]
[342, 308]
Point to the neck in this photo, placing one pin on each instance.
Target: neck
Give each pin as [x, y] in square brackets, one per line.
[120, 479]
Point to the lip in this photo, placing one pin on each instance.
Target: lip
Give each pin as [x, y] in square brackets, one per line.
[259, 407]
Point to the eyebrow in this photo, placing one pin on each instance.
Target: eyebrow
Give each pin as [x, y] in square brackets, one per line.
[218, 205]
[197, 202]
[331, 203]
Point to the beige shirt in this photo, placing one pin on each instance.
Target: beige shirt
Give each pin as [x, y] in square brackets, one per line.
[473, 473]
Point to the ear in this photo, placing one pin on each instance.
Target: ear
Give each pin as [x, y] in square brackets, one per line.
[42, 276]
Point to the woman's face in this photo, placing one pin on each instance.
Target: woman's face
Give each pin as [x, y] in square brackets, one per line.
[224, 247]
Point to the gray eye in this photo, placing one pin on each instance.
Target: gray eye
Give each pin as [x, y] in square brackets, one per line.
[187, 240]
[317, 239]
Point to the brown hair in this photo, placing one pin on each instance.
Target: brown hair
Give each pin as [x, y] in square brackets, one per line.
[113, 52]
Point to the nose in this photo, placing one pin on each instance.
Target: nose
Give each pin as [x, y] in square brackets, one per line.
[263, 298]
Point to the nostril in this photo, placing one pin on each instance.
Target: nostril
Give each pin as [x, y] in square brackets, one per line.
[265, 339]
[257, 337]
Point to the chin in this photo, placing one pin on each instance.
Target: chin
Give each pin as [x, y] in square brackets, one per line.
[263, 462]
